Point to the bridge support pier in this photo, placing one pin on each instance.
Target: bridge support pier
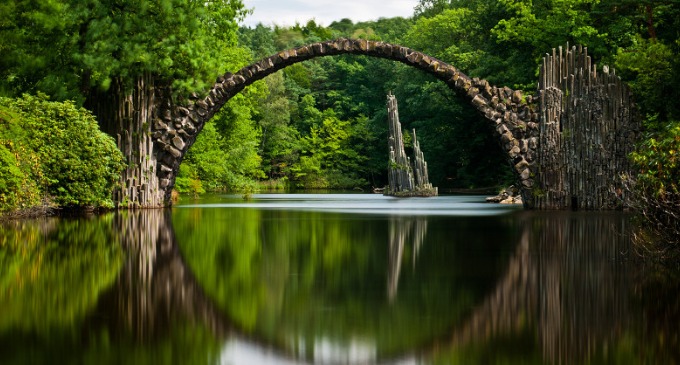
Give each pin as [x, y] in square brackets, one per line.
[127, 115]
[588, 127]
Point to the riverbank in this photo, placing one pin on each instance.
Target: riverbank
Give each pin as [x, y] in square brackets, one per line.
[43, 210]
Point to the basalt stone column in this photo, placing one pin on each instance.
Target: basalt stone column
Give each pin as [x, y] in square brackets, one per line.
[126, 113]
[588, 127]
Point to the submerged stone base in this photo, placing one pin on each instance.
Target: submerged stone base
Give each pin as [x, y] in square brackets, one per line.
[422, 193]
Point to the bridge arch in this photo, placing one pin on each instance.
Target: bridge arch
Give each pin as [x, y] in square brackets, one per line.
[176, 127]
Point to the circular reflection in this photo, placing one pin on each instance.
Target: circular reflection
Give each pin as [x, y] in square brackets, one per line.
[344, 278]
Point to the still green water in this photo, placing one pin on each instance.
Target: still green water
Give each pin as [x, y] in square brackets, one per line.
[333, 279]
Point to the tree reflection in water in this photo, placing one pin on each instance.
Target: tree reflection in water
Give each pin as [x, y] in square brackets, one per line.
[568, 293]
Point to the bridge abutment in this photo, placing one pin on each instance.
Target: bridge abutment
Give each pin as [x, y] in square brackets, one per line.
[588, 127]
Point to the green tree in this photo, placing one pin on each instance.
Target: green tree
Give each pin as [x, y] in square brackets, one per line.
[328, 157]
[102, 52]
[94, 42]
[279, 140]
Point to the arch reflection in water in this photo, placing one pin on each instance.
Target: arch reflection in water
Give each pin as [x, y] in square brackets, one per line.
[322, 278]
[282, 286]
[562, 295]
[567, 285]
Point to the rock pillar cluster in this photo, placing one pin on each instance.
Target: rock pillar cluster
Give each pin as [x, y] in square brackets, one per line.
[588, 127]
[406, 178]
[124, 114]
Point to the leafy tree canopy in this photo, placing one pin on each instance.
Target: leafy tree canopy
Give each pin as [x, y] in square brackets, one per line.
[75, 45]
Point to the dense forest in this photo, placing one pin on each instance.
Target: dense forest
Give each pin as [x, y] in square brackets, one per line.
[322, 123]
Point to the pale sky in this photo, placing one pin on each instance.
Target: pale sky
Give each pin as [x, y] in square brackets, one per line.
[324, 12]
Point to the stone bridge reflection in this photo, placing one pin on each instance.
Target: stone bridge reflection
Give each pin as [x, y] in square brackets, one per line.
[155, 286]
[566, 283]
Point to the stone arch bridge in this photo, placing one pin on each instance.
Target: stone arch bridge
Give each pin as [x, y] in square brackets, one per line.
[567, 144]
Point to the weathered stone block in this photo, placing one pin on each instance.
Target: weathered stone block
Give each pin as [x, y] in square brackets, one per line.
[506, 138]
[494, 101]
[479, 101]
[502, 128]
[173, 151]
[303, 52]
[525, 174]
[182, 111]
[202, 105]
[178, 142]
[167, 114]
[415, 57]
[238, 79]
[517, 96]
[533, 143]
[160, 125]
[524, 145]
[245, 73]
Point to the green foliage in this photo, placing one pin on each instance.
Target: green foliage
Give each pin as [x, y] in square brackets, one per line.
[329, 158]
[11, 178]
[655, 192]
[61, 149]
[279, 141]
[52, 272]
[64, 47]
[225, 155]
[188, 181]
[648, 65]
[658, 160]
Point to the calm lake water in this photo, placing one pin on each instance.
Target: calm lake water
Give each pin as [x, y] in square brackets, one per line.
[333, 279]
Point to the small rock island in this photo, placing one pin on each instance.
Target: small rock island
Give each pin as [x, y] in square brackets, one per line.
[406, 177]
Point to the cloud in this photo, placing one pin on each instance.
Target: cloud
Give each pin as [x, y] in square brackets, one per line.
[324, 12]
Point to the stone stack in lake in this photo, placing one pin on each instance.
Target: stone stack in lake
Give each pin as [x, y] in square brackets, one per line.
[406, 178]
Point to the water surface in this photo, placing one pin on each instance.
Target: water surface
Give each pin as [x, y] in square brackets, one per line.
[333, 279]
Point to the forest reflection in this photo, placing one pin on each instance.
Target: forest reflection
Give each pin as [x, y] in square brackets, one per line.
[323, 290]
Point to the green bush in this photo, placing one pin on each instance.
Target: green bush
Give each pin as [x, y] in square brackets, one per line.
[10, 178]
[656, 192]
[658, 160]
[61, 150]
